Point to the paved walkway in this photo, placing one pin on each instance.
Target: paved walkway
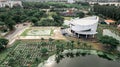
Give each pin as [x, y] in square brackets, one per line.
[13, 36]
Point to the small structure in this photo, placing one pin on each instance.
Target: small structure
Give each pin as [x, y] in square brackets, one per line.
[109, 21]
[85, 26]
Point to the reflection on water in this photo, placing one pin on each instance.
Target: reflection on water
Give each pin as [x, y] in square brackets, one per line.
[87, 61]
[109, 33]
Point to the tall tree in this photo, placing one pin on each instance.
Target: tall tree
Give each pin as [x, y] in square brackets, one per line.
[9, 23]
[3, 43]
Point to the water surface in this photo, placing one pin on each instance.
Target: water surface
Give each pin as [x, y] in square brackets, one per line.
[87, 61]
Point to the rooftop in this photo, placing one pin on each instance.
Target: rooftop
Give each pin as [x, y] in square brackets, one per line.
[85, 21]
[109, 21]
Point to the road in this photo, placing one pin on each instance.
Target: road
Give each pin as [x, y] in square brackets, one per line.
[13, 36]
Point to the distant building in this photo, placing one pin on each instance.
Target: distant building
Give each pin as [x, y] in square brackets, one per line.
[4, 3]
[106, 3]
[101, 0]
[70, 1]
[45, 0]
[109, 21]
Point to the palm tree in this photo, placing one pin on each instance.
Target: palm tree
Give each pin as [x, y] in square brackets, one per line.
[84, 45]
[50, 39]
[3, 43]
[42, 39]
[57, 49]
[71, 45]
[44, 51]
[50, 43]
[78, 43]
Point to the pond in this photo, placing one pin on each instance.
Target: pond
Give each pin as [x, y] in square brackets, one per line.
[81, 61]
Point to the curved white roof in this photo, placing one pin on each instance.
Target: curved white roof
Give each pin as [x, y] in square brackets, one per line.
[85, 21]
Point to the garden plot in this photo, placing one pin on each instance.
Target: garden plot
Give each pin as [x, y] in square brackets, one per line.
[27, 53]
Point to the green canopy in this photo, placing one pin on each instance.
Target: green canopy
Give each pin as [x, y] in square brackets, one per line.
[2, 23]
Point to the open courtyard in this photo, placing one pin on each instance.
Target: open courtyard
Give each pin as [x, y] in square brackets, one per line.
[38, 31]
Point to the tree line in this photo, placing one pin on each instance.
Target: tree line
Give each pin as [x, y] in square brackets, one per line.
[107, 11]
[47, 5]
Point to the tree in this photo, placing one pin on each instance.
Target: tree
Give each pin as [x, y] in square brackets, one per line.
[109, 41]
[11, 61]
[107, 11]
[17, 18]
[50, 43]
[42, 39]
[50, 39]
[46, 22]
[34, 20]
[3, 43]
[44, 51]
[118, 22]
[10, 23]
[59, 48]
[58, 19]
[78, 43]
[2, 23]
[84, 45]
[80, 14]
[70, 45]
[3, 17]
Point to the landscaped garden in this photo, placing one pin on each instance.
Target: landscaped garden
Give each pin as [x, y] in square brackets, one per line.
[38, 31]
